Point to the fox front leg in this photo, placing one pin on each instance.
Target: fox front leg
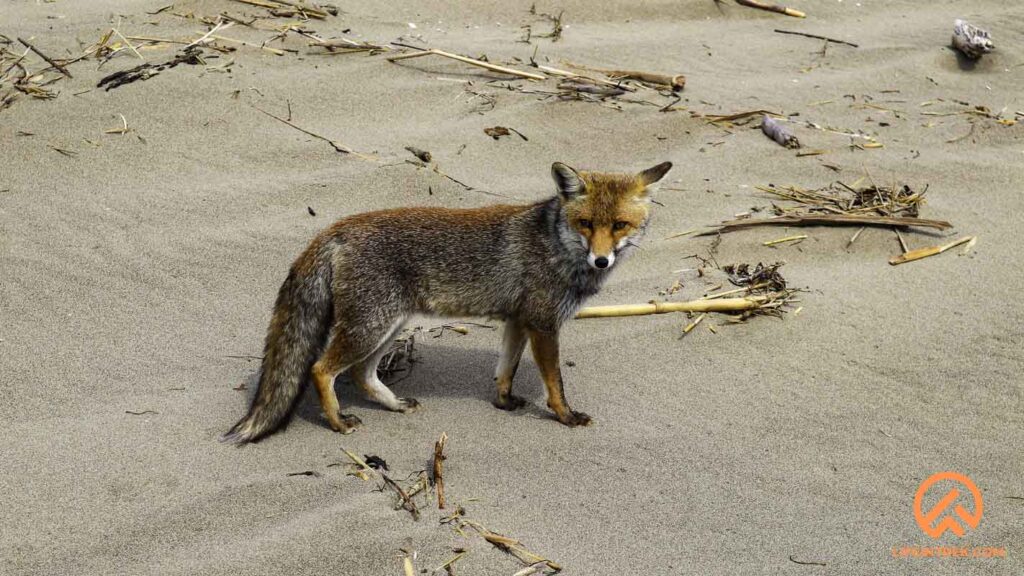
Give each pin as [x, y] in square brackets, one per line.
[545, 353]
[512, 346]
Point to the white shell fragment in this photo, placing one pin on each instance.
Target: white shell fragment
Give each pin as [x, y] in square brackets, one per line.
[971, 40]
[776, 131]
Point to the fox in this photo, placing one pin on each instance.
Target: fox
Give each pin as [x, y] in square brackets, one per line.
[351, 291]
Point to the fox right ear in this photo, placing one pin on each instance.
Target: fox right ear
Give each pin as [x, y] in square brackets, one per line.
[569, 182]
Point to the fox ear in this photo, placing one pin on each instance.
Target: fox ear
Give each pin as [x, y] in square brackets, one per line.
[568, 180]
[653, 174]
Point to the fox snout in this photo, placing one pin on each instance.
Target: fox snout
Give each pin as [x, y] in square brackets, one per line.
[601, 243]
[600, 262]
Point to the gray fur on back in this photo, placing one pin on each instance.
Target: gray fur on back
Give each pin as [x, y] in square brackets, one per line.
[527, 265]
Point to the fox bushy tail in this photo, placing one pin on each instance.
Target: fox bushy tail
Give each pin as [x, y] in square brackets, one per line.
[295, 339]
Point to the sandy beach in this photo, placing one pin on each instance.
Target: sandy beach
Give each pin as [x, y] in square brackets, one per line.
[138, 272]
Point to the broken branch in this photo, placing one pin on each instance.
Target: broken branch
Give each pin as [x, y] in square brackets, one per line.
[467, 60]
[826, 219]
[49, 60]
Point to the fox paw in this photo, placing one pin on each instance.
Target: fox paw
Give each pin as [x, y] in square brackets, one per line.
[345, 423]
[407, 405]
[573, 419]
[509, 402]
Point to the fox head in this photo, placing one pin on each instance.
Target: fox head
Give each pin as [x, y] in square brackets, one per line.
[606, 210]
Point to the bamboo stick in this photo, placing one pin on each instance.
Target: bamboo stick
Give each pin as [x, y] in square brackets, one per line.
[706, 305]
[926, 252]
[694, 324]
[772, 8]
[467, 60]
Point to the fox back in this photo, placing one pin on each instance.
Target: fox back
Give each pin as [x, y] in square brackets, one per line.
[536, 262]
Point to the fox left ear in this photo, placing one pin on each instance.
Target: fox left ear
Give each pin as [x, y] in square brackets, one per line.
[568, 180]
[652, 175]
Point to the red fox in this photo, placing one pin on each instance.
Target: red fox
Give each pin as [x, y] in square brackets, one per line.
[350, 292]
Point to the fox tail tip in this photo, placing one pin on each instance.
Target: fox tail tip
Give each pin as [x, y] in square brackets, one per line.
[240, 434]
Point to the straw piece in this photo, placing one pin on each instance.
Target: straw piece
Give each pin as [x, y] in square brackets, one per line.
[926, 252]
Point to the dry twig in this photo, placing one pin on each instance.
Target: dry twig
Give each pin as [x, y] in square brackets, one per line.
[49, 60]
[467, 60]
[825, 38]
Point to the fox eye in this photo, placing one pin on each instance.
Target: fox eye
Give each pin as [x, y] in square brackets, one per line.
[620, 225]
[586, 223]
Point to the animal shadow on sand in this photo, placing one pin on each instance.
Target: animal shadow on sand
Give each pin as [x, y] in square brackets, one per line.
[437, 371]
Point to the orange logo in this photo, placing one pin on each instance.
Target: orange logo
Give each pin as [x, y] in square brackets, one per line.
[927, 519]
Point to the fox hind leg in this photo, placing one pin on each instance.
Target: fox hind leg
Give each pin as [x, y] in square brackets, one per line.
[324, 372]
[512, 346]
[349, 349]
[365, 375]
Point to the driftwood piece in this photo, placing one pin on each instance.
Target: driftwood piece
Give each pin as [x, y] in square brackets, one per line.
[971, 40]
[772, 8]
[705, 305]
[467, 60]
[674, 81]
[776, 131]
[911, 255]
[826, 219]
[437, 466]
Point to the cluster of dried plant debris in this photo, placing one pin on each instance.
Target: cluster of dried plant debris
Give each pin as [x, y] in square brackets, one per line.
[419, 491]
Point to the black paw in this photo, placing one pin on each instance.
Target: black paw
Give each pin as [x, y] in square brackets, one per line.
[573, 419]
[346, 423]
[408, 405]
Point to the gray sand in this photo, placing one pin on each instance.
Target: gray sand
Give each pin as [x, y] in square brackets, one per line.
[131, 272]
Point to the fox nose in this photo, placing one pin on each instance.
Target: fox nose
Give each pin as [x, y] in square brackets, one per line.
[601, 262]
